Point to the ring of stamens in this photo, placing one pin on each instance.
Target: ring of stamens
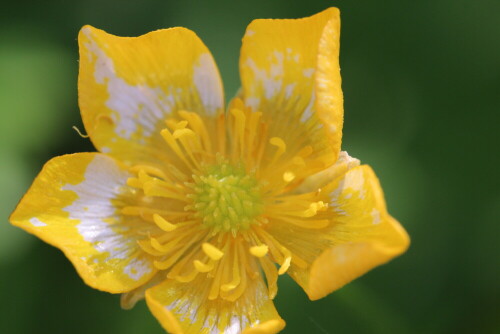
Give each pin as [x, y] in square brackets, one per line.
[222, 195]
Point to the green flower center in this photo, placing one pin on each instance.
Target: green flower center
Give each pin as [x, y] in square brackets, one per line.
[226, 198]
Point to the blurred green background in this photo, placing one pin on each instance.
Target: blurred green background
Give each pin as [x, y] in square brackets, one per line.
[421, 81]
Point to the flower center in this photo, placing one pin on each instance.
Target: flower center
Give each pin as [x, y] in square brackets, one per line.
[226, 198]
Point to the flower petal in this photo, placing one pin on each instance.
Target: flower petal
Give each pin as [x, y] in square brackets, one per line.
[362, 235]
[183, 308]
[72, 206]
[128, 87]
[290, 71]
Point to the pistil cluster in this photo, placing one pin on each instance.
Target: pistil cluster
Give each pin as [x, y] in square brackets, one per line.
[225, 197]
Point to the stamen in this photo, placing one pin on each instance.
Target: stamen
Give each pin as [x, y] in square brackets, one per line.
[202, 267]
[198, 126]
[288, 176]
[173, 257]
[163, 224]
[259, 251]
[236, 273]
[174, 125]
[271, 274]
[235, 293]
[212, 252]
[149, 170]
[286, 263]
[216, 282]
[187, 278]
[171, 141]
[146, 246]
[314, 208]
[280, 144]
[252, 132]
[238, 131]
[179, 133]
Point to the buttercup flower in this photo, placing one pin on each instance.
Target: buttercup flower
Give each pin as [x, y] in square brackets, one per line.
[199, 208]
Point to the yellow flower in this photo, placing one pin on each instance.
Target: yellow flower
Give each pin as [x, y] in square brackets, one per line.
[200, 209]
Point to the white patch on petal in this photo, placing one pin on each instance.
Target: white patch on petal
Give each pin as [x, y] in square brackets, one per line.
[252, 102]
[277, 69]
[234, 326]
[206, 80]
[97, 215]
[308, 112]
[37, 222]
[136, 269]
[376, 216]
[271, 88]
[344, 157]
[271, 81]
[308, 72]
[352, 184]
[355, 180]
[249, 32]
[289, 90]
[132, 105]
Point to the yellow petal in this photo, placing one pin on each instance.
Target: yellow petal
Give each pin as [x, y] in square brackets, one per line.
[343, 263]
[183, 308]
[290, 71]
[361, 235]
[71, 206]
[128, 87]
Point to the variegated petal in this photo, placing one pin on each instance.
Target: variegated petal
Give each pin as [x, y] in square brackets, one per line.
[73, 205]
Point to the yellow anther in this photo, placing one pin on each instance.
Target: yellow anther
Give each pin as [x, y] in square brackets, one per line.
[288, 176]
[279, 143]
[202, 267]
[212, 252]
[182, 133]
[186, 278]
[134, 182]
[285, 265]
[180, 125]
[314, 208]
[259, 251]
[163, 224]
[228, 287]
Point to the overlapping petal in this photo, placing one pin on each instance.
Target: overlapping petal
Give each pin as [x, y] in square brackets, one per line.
[185, 309]
[73, 205]
[290, 72]
[128, 88]
[361, 235]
